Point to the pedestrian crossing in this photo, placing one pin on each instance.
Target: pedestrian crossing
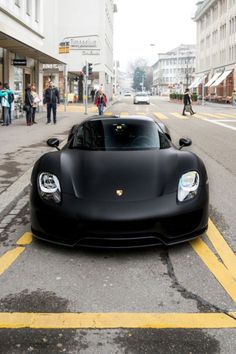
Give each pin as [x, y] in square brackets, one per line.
[171, 115]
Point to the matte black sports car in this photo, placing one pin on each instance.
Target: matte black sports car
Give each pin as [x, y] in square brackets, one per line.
[119, 182]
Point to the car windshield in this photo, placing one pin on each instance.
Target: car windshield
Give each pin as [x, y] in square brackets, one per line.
[119, 134]
[141, 94]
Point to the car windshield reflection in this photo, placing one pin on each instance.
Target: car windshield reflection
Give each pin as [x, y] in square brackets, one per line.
[122, 134]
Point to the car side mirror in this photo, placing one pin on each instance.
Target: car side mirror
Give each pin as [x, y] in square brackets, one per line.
[53, 142]
[184, 142]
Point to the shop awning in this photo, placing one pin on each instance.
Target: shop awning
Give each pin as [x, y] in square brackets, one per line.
[213, 79]
[198, 80]
[222, 77]
[20, 48]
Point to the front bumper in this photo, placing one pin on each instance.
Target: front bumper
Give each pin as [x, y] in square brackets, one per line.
[161, 221]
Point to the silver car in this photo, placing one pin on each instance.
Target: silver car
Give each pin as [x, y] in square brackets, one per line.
[141, 97]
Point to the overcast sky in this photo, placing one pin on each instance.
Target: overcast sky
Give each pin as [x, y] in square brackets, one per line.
[138, 23]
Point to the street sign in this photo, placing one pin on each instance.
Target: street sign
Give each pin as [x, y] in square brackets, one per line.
[19, 62]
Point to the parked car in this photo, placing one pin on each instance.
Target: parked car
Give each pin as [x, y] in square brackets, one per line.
[119, 182]
[128, 94]
[141, 97]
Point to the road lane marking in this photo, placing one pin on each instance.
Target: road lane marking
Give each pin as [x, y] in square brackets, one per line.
[9, 258]
[180, 116]
[220, 272]
[224, 251]
[211, 115]
[199, 116]
[26, 239]
[227, 115]
[107, 113]
[160, 116]
[220, 124]
[115, 320]
[124, 113]
[140, 113]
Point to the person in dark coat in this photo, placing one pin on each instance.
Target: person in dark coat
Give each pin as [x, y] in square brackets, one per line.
[51, 99]
[28, 104]
[187, 103]
[92, 93]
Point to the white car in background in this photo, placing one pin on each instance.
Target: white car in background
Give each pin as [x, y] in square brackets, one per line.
[141, 97]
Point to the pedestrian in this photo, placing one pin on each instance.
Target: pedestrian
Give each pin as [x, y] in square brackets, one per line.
[10, 100]
[187, 103]
[5, 105]
[28, 106]
[51, 99]
[36, 100]
[234, 98]
[100, 101]
[92, 93]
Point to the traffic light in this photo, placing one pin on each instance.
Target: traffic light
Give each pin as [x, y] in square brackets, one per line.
[90, 68]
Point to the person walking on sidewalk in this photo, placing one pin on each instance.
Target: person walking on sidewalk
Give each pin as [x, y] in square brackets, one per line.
[187, 103]
[36, 100]
[51, 99]
[28, 106]
[100, 101]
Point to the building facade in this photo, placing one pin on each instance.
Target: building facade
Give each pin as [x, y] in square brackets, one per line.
[174, 70]
[216, 47]
[86, 34]
[26, 43]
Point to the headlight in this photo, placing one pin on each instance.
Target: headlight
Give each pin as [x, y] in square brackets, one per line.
[49, 187]
[188, 186]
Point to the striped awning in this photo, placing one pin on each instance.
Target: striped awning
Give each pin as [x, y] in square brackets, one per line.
[213, 79]
[222, 77]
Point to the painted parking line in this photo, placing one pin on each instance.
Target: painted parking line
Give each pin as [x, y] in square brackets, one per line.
[26, 239]
[160, 116]
[116, 320]
[220, 272]
[221, 246]
[8, 258]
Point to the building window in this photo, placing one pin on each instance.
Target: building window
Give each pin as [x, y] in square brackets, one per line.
[29, 7]
[17, 3]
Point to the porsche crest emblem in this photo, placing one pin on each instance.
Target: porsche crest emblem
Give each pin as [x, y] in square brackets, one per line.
[119, 192]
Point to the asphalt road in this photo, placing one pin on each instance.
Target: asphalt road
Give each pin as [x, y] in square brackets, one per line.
[177, 300]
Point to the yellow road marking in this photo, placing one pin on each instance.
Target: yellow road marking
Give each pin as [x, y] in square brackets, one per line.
[124, 113]
[9, 257]
[199, 116]
[212, 115]
[108, 113]
[227, 115]
[222, 248]
[26, 239]
[160, 115]
[220, 272]
[140, 113]
[178, 115]
[116, 320]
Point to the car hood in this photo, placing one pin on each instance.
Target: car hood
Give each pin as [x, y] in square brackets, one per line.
[140, 175]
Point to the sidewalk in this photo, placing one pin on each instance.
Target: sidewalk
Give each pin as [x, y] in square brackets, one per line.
[22, 145]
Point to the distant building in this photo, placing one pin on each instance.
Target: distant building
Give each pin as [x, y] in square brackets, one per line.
[174, 70]
[85, 33]
[216, 47]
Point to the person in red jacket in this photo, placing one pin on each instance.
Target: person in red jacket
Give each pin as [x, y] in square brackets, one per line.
[100, 101]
